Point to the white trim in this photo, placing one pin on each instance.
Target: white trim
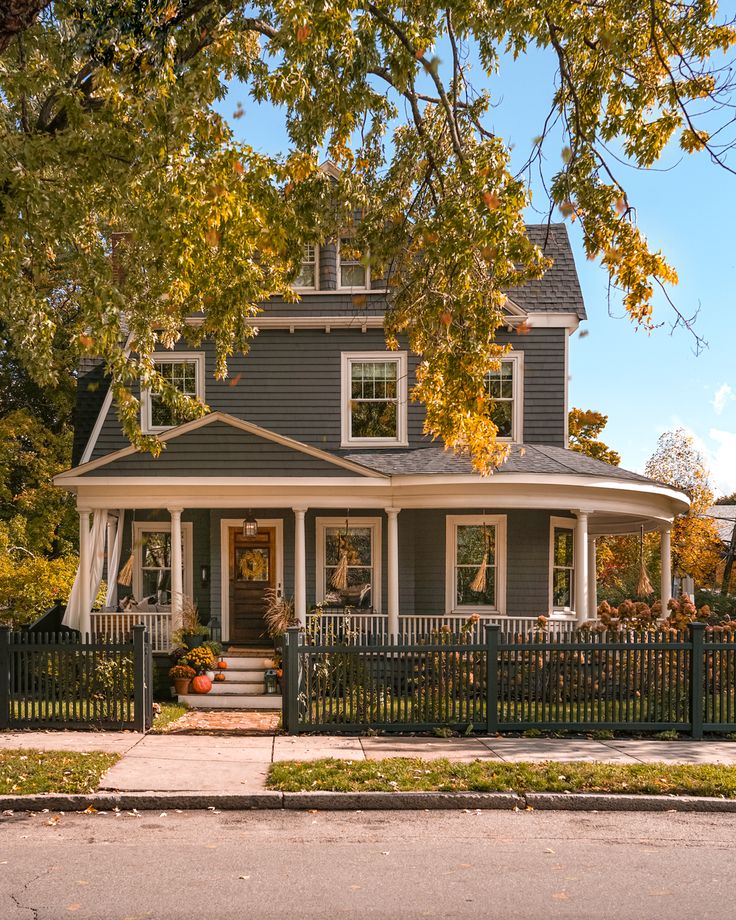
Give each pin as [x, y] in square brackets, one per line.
[338, 264]
[561, 523]
[516, 359]
[315, 289]
[451, 522]
[139, 527]
[171, 433]
[171, 357]
[376, 525]
[346, 360]
[226, 524]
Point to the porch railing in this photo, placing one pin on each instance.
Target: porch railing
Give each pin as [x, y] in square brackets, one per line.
[364, 628]
[117, 626]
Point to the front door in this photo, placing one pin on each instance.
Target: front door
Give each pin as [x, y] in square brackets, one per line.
[252, 573]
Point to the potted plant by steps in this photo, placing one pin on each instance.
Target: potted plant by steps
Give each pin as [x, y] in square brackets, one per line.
[192, 633]
[182, 675]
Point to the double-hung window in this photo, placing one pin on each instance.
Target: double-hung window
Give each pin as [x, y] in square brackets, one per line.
[348, 562]
[562, 565]
[309, 269]
[185, 372]
[476, 563]
[374, 392]
[352, 271]
[504, 386]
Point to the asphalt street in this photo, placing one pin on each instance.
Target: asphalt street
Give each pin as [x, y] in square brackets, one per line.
[176, 866]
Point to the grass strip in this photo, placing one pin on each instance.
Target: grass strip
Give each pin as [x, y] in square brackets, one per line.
[26, 772]
[401, 774]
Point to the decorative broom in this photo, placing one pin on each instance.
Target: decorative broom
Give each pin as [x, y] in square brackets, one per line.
[478, 584]
[645, 586]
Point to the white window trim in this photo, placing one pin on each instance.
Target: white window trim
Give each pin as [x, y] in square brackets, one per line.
[561, 523]
[170, 357]
[451, 523]
[347, 358]
[341, 287]
[141, 527]
[517, 415]
[315, 288]
[376, 525]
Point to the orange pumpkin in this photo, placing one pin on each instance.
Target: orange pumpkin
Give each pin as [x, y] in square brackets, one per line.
[219, 678]
[222, 664]
[201, 684]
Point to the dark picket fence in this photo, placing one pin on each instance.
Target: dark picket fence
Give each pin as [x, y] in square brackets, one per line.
[637, 681]
[58, 680]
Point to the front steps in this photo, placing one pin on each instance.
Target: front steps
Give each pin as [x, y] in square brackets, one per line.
[243, 687]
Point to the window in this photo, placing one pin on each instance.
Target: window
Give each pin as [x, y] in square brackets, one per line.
[185, 372]
[348, 562]
[352, 272]
[476, 562]
[308, 273]
[504, 387]
[374, 389]
[152, 549]
[562, 565]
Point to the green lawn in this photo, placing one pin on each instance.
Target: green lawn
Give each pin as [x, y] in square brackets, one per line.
[400, 774]
[24, 772]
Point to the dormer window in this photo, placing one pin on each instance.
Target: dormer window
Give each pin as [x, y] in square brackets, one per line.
[504, 387]
[183, 371]
[351, 271]
[307, 277]
[374, 388]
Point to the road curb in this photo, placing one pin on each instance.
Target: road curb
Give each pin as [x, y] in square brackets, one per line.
[361, 801]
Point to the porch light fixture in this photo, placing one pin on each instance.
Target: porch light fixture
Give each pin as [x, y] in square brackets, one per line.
[250, 526]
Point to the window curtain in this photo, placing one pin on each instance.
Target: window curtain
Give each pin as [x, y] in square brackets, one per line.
[76, 617]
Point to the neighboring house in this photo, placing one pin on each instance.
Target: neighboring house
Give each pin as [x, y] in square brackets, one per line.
[313, 435]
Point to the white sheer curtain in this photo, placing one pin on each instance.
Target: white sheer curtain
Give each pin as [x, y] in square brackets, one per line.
[76, 617]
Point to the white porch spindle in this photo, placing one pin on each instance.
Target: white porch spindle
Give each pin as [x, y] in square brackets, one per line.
[177, 591]
[665, 586]
[392, 549]
[581, 566]
[592, 580]
[300, 567]
[85, 571]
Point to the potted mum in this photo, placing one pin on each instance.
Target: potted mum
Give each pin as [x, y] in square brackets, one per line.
[182, 674]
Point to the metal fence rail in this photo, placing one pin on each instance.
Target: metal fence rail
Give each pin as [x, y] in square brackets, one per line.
[53, 680]
[643, 681]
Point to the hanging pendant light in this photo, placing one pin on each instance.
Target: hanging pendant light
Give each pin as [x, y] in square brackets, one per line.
[250, 525]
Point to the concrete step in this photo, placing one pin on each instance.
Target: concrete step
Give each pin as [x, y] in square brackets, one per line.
[232, 701]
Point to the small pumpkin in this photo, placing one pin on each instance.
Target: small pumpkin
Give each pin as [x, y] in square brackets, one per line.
[201, 684]
[222, 664]
[219, 678]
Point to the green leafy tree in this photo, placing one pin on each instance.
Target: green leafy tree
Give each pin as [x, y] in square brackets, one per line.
[585, 426]
[109, 134]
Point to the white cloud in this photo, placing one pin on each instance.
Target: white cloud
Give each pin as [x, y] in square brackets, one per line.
[723, 395]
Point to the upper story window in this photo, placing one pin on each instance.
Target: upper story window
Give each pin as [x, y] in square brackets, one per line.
[374, 388]
[309, 270]
[185, 372]
[562, 565]
[351, 270]
[505, 387]
[476, 562]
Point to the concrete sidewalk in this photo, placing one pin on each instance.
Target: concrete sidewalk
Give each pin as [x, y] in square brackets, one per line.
[214, 764]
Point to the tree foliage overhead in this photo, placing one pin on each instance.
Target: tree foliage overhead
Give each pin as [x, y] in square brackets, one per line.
[585, 426]
[108, 126]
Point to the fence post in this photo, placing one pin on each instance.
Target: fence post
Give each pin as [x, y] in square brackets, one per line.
[290, 704]
[139, 678]
[697, 656]
[492, 634]
[4, 676]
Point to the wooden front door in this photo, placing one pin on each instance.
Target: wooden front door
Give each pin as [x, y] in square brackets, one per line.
[252, 572]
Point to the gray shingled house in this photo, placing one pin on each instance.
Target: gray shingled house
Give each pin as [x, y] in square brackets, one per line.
[312, 476]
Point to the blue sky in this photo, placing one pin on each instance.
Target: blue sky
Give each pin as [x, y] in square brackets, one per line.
[645, 382]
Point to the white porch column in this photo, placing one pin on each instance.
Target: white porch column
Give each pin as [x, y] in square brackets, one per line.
[85, 570]
[300, 566]
[177, 589]
[581, 566]
[112, 586]
[665, 582]
[392, 550]
[592, 580]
